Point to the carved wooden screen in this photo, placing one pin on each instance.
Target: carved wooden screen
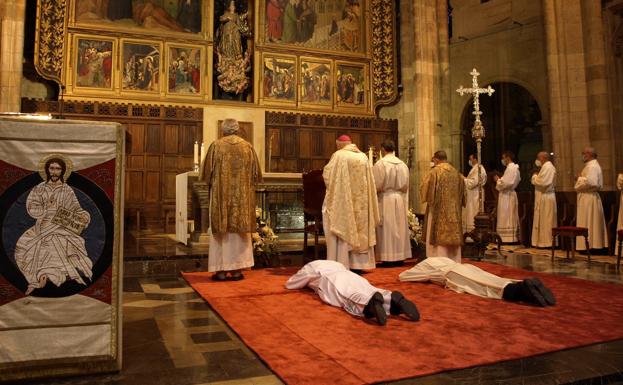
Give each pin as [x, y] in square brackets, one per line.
[159, 146]
[299, 143]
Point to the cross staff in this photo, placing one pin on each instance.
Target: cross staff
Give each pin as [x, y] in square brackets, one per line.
[478, 131]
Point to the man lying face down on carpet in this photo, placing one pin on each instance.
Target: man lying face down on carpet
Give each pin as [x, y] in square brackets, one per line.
[340, 287]
[465, 278]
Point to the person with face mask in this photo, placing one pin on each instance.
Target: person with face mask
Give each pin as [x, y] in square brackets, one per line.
[507, 212]
[443, 190]
[545, 215]
[473, 183]
[590, 211]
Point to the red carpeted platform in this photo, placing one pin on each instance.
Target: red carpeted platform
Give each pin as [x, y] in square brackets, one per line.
[307, 342]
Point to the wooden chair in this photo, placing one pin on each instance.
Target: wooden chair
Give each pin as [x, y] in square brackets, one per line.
[313, 196]
[620, 240]
[570, 232]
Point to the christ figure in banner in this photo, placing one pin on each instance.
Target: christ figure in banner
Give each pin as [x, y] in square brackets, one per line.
[53, 250]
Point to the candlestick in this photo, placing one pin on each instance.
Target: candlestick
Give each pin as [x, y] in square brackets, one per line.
[196, 153]
[203, 153]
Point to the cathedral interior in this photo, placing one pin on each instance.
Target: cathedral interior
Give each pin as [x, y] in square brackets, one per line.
[297, 74]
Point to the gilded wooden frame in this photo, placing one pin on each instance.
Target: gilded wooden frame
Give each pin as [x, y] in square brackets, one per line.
[276, 101]
[168, 47]
[341, 106]
[306, 60]
[122, 63]
[76, 66]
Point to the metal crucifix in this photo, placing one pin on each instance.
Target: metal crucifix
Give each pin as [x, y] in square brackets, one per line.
[482, 233]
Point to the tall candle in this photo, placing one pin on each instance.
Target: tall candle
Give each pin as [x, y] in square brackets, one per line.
[370, 154]
[196, 153]
[203, 153]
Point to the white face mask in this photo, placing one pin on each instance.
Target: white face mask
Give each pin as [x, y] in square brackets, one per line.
[432, 164]
[503, 162]
[538, 163]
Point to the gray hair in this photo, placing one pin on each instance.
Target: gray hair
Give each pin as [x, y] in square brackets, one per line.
[592, 151]
[230, 126]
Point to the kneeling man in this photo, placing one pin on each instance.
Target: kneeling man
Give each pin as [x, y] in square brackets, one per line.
[465, 278]
[340, 287]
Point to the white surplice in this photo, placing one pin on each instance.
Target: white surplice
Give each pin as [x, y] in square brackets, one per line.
[462, 278]
[391, 176]
[338, 286]
[473, 184]
[230, 251]
[620, 187]
[545, 212]
[590, 212]
[507, 212]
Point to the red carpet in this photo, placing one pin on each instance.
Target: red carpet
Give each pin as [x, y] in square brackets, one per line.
[307, 342]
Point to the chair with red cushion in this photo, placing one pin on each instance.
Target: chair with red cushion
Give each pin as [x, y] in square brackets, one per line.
[313, 195]
[620, 239]
[570, 232]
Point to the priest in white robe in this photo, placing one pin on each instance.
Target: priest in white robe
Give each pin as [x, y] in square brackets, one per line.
[470, 279]
[443, 190]
[350, 210]
[620, 187]
[590, 210]
[473, 184]
[507, 212]
[545, 212]
[337, 286]
[391, 176]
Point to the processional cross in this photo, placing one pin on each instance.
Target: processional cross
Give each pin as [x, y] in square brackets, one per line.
[482, 233]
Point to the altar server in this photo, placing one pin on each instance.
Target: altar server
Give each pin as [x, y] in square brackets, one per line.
[337, 286]
[507, 212]
[443, 190]
[391, 176]
[545, 212]
[590, 211]
[473, 184]
[350, 210]
[232, 171]
[466, 278]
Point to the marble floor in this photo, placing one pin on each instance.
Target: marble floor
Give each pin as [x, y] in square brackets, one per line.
[171, 336]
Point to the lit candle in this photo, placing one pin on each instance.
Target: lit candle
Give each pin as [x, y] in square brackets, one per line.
[196, 153]
[203, 153]
[370, 154]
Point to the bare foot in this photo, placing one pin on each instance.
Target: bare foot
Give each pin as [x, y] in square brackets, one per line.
[43, 280]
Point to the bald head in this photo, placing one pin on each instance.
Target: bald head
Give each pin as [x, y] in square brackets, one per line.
[543, 156]
[440, 157]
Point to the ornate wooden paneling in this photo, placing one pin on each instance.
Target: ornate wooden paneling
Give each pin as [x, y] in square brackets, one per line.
[159, 146]
[298, 143]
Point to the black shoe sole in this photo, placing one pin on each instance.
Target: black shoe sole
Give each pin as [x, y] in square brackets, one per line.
[545, 292]
[532, 294]
[377, 308]
[401, 305]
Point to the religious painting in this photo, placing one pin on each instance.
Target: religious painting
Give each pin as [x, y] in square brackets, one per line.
[60, 241]
[140, 65]
[336, 25]
[350, 85]
[279, 78]
[315, 84]
[149, 15]
[94, 63]
[184, 70]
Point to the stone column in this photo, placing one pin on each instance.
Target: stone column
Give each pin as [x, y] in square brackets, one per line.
[568, 90]
[12, 16]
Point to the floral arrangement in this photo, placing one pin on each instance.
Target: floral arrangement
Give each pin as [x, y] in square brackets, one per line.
[265, 242]
[415, 228]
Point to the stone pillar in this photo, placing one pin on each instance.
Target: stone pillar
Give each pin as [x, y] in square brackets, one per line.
[568, 90]
[12, 16]
[425, 78]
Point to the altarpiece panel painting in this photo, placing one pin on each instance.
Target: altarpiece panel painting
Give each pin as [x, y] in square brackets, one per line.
[350, 85]
[141, 66]
[279, 78]
[184, 69]
[316, 82]
[94, 63]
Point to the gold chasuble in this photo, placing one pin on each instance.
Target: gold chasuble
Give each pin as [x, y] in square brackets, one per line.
[443, 189]
[350, 200]
[232, 171]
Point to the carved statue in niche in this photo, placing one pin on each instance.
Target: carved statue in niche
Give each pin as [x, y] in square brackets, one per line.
[232, 63]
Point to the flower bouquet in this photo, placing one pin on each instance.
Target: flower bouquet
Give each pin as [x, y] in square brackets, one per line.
[265, 243]
[418, 245]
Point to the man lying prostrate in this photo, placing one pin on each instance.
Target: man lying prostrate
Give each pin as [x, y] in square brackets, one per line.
[338, 286]
[465, 278]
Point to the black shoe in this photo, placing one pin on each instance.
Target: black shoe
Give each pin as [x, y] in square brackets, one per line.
[512, 292]
[219, 277]
[400, 305]
[531, 293]
[237, 277]
[545, 292]
[374, 309]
